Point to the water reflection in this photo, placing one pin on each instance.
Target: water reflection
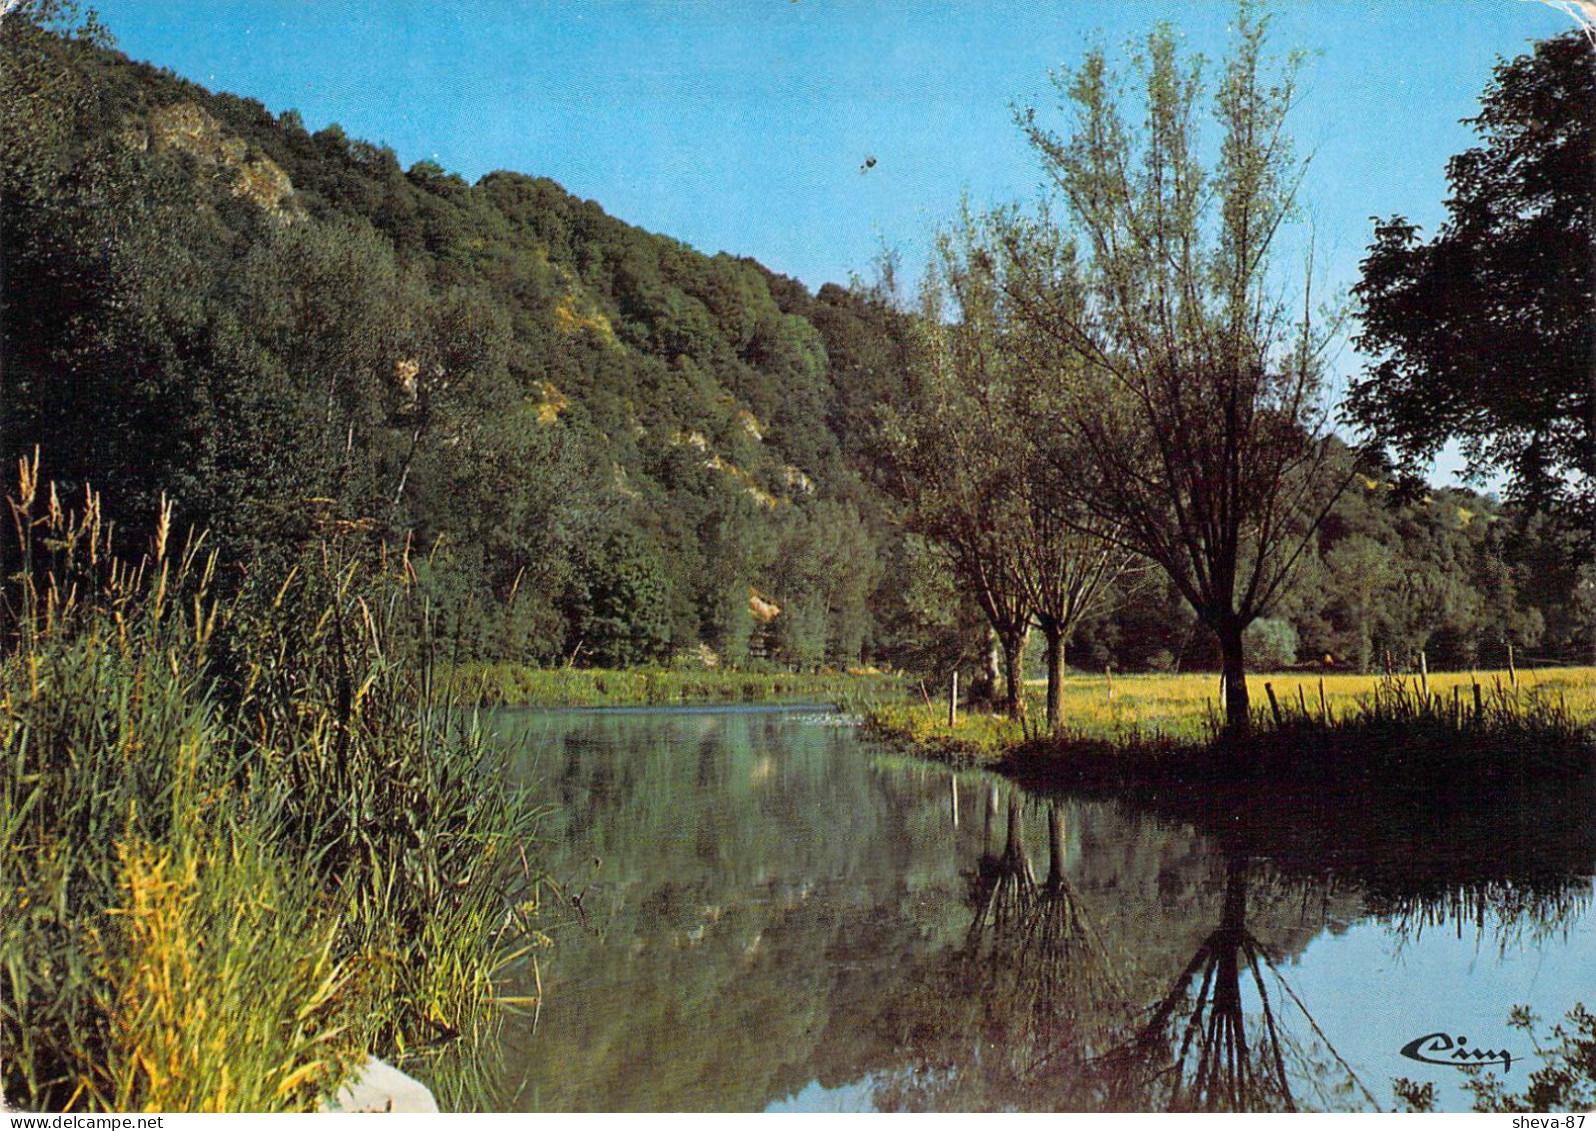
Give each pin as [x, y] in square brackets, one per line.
[1040, 942]
[1194, 1053]
[1515, 861]
[780, 915]
[1032, 1012]
[1220, 1040]
[998, 1020]
[1503, 911]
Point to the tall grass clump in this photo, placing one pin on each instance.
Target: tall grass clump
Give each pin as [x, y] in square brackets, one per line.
[243, 843]
[383, 787]
[1404, 734]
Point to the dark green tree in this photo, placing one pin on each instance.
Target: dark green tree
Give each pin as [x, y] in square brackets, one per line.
[822, 578]
[1486, 333]
[620, 614]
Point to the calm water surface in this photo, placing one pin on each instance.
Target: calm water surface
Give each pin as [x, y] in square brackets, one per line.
[766, 913]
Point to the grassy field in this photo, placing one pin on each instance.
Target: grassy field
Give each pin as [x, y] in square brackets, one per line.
[517, 685]
[1183, 710]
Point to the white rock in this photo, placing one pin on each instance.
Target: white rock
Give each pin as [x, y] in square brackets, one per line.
[379, 1086]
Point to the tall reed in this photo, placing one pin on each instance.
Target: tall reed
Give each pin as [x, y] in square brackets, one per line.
[243, 842]
[1402, 733]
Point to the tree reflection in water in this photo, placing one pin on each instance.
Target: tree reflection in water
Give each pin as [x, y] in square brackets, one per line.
[1508, 912]
[1033, 1011]
[750, 952]
[1201, 1049]
[1036, 943]
[1015, 1016]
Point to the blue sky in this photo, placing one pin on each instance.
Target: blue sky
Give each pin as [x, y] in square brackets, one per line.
[742, 126]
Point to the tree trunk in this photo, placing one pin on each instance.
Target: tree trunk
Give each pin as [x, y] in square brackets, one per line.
[1234, 916]
[1238, 707]
[1055, 673]
[984, 683]
[1013, 848]
[1055, 847]
[1014, 670]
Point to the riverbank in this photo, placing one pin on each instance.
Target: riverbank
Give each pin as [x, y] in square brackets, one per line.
[518, 685]
[1128, 731]
[243, 844]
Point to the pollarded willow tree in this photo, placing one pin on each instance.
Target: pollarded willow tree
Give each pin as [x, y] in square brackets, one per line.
[1194, 420]
[1070, 560]
[970, 471]
[949, 459]
[1068, 570]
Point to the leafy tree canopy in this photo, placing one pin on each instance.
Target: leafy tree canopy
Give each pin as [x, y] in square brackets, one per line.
[1487, 332]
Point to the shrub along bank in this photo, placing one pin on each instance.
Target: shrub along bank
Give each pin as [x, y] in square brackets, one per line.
[518, 685]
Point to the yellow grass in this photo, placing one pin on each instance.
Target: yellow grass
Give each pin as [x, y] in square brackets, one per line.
[224, 991]
[1179, 706]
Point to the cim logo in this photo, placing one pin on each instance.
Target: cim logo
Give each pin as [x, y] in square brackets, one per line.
[1442, 1048]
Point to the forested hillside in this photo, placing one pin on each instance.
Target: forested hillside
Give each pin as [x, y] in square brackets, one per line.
[594, 443]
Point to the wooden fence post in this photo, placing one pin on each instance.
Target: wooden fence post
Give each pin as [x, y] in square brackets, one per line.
[1274, 705]
[953, 701]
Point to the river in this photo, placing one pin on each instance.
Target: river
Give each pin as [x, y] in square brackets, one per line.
[761, 911]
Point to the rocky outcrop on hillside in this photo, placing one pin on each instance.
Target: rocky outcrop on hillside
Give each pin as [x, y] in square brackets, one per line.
[188, 128]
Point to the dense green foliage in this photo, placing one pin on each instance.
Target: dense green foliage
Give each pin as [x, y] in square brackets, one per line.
[1451, 573]
[600, 446]
[1486, 333]
[604, 442]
